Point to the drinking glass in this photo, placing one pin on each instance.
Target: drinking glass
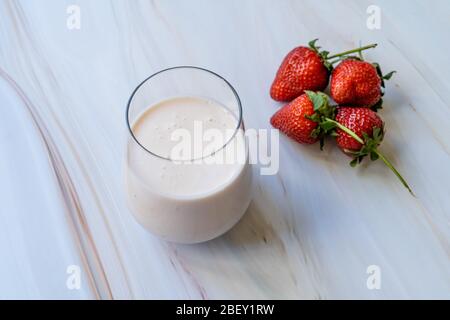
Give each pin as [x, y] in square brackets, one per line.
[175, 213]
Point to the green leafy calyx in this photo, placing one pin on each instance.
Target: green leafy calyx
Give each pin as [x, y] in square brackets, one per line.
[322, 54]
[322, 112]
[369, 148]
[387, 76]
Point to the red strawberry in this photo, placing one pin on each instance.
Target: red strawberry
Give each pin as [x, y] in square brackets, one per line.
[356, 82]
[305, 68]
[302, 69]
[359, 133]
[291, 120]
[306, 119]
[361, 121]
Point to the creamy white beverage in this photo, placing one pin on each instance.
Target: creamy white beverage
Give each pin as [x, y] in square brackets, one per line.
[188, 201]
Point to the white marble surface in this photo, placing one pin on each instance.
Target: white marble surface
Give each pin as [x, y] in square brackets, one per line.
[311, 231]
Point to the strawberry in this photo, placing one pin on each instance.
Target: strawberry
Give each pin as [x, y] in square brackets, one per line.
[359, 132]
[358, 83]
[303, 118]
[361, 121]
[301, 70]
[304, 68]
[291, 120]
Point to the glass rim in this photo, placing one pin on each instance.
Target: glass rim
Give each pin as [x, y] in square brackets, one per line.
[127, 114]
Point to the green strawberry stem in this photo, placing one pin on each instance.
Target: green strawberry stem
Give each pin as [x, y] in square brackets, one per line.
[382, 157]
[352, 51]
[390, 166]
[337, 57]
[346, 130]
[334, 61]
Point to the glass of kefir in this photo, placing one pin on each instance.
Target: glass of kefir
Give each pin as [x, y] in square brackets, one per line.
[187, 174]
